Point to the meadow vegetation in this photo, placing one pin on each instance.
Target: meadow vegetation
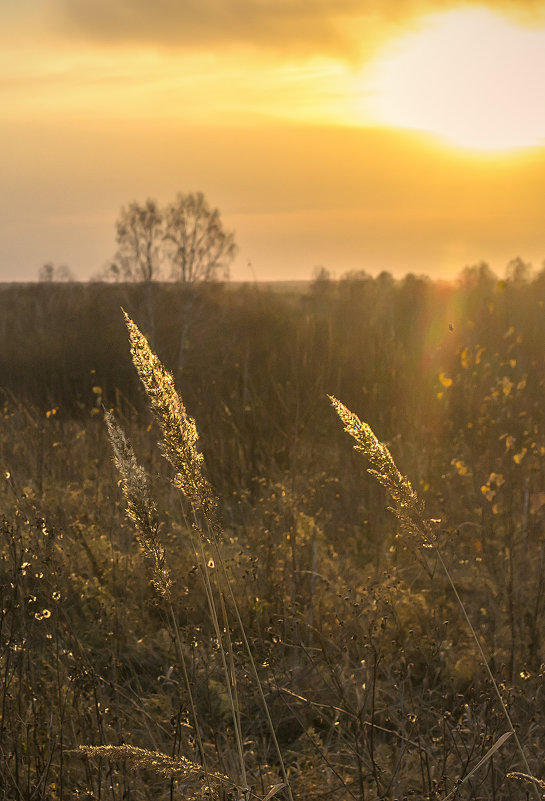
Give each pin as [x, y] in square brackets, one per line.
[246, 617]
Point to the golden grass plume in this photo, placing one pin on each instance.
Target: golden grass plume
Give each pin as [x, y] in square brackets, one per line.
[408, 508]
[156, 761]
[179, 444]
[141, 508]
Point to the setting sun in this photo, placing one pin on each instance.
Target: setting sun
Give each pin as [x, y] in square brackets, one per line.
[471, 76]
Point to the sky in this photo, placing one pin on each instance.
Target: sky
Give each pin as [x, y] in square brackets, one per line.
[399, 135]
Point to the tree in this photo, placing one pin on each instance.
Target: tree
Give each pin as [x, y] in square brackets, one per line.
[196, 244]
[49, 273]
[518, 272]
[184, 242]
[139, 236]
[477, 277]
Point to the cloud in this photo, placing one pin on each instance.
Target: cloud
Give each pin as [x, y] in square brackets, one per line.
[341, 28]
[285, 25]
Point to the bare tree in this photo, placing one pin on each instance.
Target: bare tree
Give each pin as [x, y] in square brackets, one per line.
[196, 244]
[139, 235]
[184, 242]
[49, 272]
[518, 271]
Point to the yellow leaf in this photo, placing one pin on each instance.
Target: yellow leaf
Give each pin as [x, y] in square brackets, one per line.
[488, 493]
[518, 457]
[445, 380]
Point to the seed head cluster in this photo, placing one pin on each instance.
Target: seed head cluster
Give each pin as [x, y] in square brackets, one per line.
[179, 444]
[141, 508]
[407, 507]
[179, 767]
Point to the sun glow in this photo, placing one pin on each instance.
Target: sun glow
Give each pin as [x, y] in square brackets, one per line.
[471, 76]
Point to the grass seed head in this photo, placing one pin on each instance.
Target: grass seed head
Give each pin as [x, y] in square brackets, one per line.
[407, 507]
[141, 508]
[143, 758]
[179, 444]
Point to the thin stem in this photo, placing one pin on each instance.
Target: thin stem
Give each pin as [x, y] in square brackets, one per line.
[181, 659]
[254, 670]
[490, 674]
[234, 699]
[213, 614]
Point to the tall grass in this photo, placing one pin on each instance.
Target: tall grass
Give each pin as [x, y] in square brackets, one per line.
[410, 513]
[179, 447]
[253, 650]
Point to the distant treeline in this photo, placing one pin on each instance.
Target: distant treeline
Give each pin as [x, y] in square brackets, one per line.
[254, 365]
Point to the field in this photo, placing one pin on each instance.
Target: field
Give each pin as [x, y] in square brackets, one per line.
[311, 644]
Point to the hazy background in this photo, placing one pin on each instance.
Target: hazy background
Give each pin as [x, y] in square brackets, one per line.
[405, 136]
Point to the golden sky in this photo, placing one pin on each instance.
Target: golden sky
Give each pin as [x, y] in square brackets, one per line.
[353, 134]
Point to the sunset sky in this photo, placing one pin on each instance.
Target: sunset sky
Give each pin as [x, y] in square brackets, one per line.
[350, 134]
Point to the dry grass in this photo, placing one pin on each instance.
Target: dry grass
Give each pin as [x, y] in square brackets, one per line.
[278, 652]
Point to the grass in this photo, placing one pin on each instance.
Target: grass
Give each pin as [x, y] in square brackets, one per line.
[250, 654]
[410, 513]
[178, 445]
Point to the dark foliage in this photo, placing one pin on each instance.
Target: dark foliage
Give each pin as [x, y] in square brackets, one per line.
[371, 676]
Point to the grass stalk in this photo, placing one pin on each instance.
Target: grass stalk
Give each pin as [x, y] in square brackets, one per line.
[235, 699]
[141, 510]
[228, 673]
[409, 510]
[254, 671]
[179, 447]
[484, 660]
